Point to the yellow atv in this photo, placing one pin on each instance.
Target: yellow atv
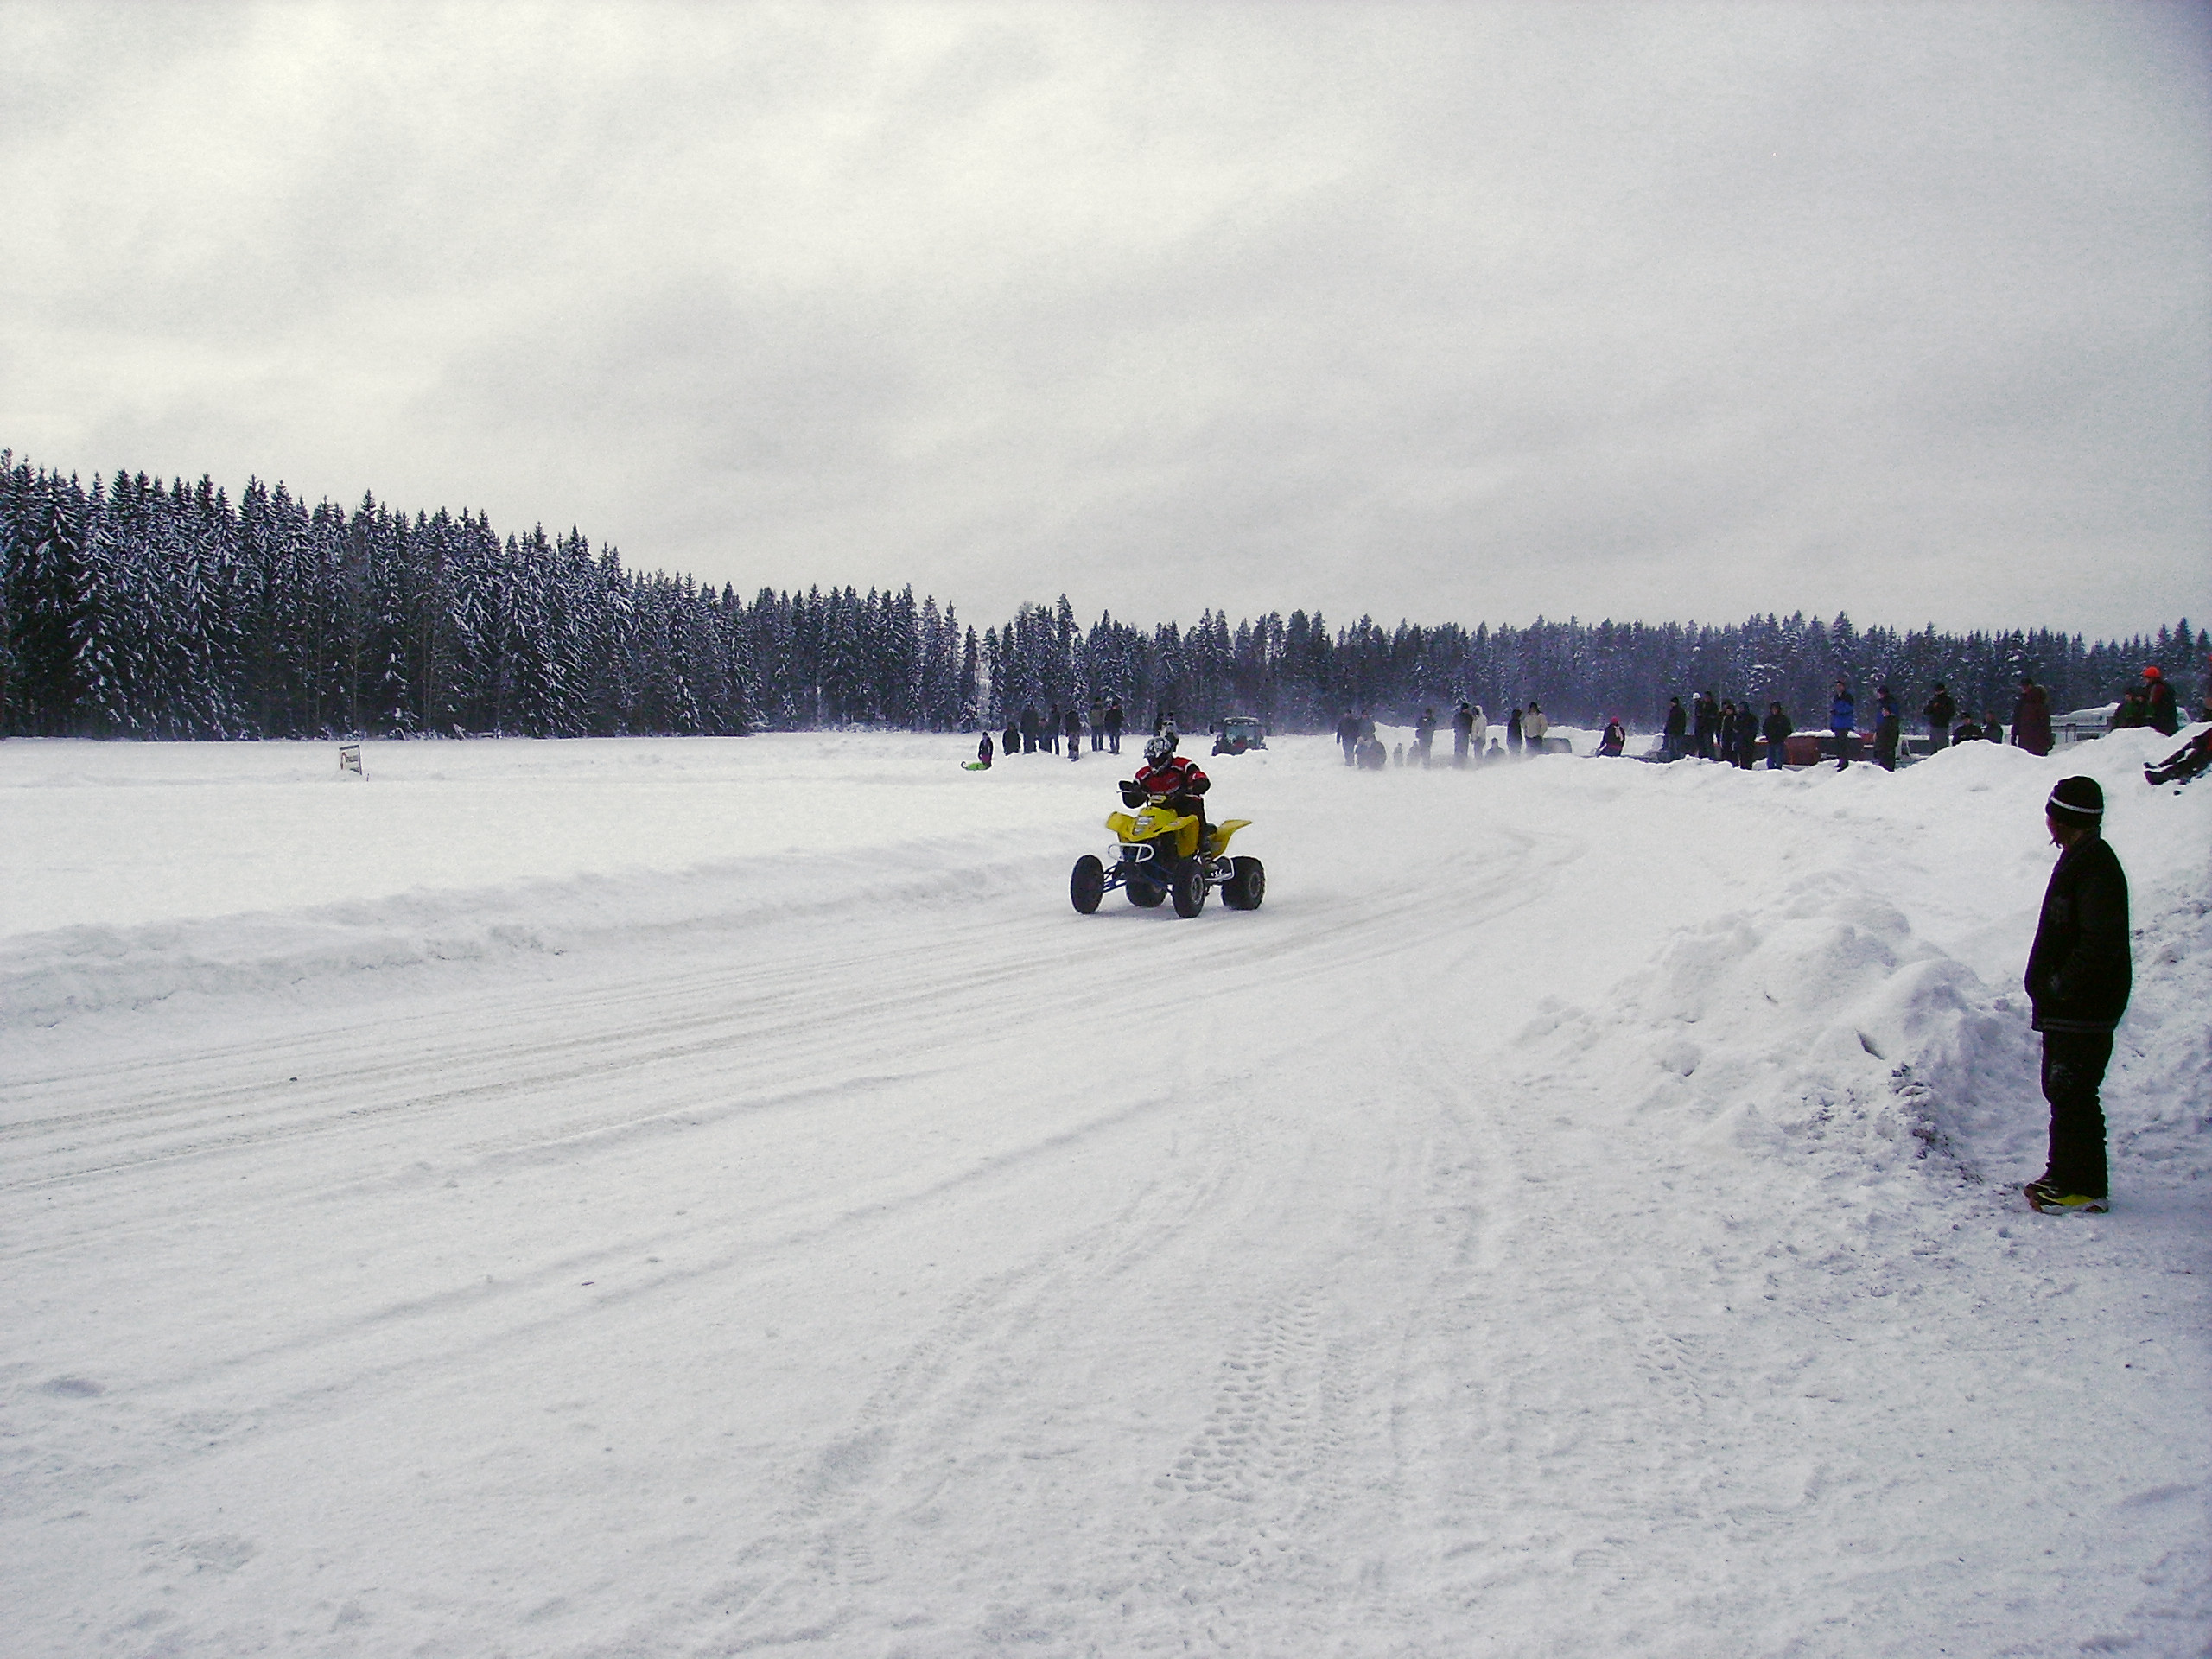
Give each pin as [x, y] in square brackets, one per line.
[1157, 856]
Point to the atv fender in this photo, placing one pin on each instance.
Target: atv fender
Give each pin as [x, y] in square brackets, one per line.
[1219, 845]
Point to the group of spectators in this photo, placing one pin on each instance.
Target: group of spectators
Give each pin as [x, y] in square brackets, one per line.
[1731, 734]
[1472, 739]
[1028, 733]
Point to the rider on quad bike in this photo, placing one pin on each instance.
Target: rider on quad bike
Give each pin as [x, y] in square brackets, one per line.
[1165, 772]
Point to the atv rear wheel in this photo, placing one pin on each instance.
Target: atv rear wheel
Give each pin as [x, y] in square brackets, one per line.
[1189, 891]
[1086, 883]
[1245, 889]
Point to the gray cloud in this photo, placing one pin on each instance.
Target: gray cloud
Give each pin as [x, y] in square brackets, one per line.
[1448, 311]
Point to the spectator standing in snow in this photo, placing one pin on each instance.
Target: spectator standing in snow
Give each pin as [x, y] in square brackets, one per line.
[2158, 696]
[1887, 726]
[2078, 979]
[1777, 729]
[1843, 720]
[1425, 734]
[1097, 726]
[1677, 722]
[1704, 716]
[1113, 726]
[1348, 736]
[1463, 729]
[1513, 732]
[1747, 737]
[983, 752]
[2031, 718]
[1533, 725]
[1074, 725]
[1940, 713]
[1029, 728]
[1724, 739]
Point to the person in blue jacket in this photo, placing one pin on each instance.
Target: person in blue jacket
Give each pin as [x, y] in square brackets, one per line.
[1843, 720]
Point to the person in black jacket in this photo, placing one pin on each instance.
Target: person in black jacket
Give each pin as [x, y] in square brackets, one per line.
[1677, 722]
[2078, 978]
[1777, 729]
[2161, 715]
[1941, 712]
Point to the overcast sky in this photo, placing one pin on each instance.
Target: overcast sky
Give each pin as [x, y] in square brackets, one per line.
[1449, 312]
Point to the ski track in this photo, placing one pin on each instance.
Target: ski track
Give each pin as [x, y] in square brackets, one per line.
[959, 1275]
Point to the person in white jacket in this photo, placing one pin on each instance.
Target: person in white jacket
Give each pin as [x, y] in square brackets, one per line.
[1533, 725]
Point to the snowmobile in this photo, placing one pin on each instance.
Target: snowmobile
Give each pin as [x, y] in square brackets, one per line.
[1157, 857]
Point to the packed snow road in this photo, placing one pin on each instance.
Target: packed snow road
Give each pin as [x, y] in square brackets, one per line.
[673, 1197]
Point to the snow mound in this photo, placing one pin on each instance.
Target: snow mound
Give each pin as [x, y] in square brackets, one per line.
[1819, 1031]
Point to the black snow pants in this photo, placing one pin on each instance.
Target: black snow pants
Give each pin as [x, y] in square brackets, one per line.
[2073, 1070]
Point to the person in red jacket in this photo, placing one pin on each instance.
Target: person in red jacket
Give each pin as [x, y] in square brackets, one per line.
[1165, 772]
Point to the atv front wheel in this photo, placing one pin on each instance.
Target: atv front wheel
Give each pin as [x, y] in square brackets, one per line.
[1189, 891]
[1245, 889]
[1086, 883]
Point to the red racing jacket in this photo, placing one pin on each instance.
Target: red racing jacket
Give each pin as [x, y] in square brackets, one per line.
[1173, 776]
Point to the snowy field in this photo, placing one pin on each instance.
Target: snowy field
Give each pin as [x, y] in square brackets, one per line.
[695, 1197]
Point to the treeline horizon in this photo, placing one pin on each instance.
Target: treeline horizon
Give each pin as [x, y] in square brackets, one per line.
[139, 609]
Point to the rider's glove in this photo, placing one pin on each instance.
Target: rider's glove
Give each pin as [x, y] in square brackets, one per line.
[1132, 796]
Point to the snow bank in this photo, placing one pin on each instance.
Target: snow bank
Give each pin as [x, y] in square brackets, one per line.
[1817, 1030]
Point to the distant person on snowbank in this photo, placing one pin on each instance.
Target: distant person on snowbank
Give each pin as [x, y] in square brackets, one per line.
[1073, 725]
[1533, 725]
[1671, 733]
[2193, 759]
[2158, 698]
[1705, 719]
[1011, 741]
[1843, 721]
[2031, 718]
[1513, 732]
[2078, 979]
[1463, 732]
[1940, 713]
[1888, 727]
[983, 752]
[1348, 736]
[1776, 729]
[1113, 726]
[1615, 739]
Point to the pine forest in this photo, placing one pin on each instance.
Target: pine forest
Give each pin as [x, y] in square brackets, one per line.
[139, 609]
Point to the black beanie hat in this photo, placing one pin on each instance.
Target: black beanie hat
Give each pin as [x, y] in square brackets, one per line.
[2077, 801]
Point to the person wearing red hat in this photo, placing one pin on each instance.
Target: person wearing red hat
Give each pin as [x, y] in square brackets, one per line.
[2079, 975]
[2159, 696]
